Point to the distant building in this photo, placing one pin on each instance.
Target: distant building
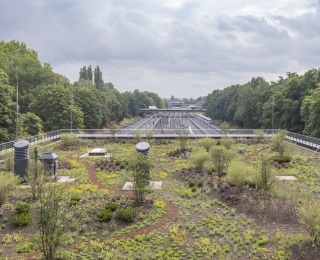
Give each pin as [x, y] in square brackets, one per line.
[177, 104]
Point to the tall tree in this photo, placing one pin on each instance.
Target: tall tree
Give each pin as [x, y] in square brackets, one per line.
[98, 80]
[53, 105]
[23, 68]
[7, 112]
[89, 72]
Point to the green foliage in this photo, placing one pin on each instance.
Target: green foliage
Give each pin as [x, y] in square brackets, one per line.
[259, 134]
[53, 218]
[309, 217]
[111, 205]
[104, 215]
[224, 127]
[137, 135]
[22, 207]
[141, 171]
[221, 158]
[57, 115]
[7, 182]
[182, 138]
[191, 184]
[69, 139]
[227, 142]
[30, 124]
[127, 214]
[26, 248]
[310, 111]
[200, 184]
[278, 142]
[265, 178]
[207, 143]
[22, 219]
[198, 158]
[281, 159]
[23, 215]
[74, 200]
[7, 113]
[149, 135]
[37, 177]
[240, 173]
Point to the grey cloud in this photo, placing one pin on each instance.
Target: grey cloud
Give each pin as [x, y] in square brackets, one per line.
[193, 43]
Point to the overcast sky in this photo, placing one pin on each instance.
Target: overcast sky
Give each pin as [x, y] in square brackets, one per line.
[183, 48]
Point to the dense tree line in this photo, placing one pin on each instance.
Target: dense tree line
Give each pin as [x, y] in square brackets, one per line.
[294, 99]
[47, 100]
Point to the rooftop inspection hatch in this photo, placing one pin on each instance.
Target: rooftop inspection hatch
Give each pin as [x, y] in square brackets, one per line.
[97, 152]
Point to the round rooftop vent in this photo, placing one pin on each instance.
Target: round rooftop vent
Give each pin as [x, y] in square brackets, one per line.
[21, 144]
[143, 147]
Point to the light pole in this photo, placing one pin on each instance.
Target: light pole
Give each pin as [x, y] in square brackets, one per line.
[71, 106]
[17, 113]
[272, 110]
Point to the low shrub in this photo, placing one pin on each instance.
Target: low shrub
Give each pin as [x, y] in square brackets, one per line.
[22, 219]
[127, 214]
[200, 184]
[26, 248]
[281, 159]
[69, 139]
[309, 218]
[111, 205]
[194, 189]
[22, 207]
[74, 200]
[104, 215]
[191, 184]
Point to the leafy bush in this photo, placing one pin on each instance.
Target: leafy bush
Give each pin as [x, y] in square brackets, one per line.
[265, 178]
[7, 182]
[278, 142]
[191, 184]
[104, 215]
[74, 200]
[127, 214]
[26, 248]
[22, 219]
[69, 139]
[221, 158]
[259, 134]
[239, 173]
[227, 142]
[111, 205]
[281, 159]
[309, 217]
[198, 158]
[22, 207]
[207, 143]
[200, 184]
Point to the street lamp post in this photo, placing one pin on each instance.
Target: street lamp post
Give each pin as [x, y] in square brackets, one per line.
[71, 106]
[17, 112]
[272, 110]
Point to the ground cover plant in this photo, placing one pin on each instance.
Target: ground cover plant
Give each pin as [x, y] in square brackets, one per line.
[204, 210]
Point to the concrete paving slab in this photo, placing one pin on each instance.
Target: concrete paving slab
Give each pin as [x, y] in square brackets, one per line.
[286, 178]
[65, 179]
[153, 184]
